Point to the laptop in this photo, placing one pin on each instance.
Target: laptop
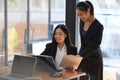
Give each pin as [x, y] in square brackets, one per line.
[22, 68]
[46, 64]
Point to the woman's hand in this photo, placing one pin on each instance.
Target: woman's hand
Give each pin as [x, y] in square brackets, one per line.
[70, 69]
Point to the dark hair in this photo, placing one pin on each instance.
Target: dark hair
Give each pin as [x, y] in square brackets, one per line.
[66, 31]
[85, 5]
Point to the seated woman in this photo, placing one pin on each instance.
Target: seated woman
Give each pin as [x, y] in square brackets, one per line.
[60, 45]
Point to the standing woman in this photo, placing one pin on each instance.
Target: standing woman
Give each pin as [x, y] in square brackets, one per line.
[91, 31]
[60, 45]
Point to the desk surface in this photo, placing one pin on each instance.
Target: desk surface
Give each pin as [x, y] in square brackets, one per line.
[45, 76]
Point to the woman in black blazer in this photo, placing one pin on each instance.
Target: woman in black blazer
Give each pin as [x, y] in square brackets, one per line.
[60, 44]
[91, 31]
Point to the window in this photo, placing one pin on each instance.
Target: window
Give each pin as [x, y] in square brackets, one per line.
[1, 31]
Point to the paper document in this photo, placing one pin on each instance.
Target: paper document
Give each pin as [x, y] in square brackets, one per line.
[71, 60]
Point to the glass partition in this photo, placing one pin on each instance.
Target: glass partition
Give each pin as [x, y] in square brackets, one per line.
[17, 20]
[1, 31]
[57, 15]
[44, 16]
[38, 19]
[39, 22]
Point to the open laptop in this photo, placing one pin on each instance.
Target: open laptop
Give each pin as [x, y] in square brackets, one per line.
[46, 64]
[22, 68]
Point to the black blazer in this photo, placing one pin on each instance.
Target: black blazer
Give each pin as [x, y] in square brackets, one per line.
[90, 46]
[50, 50]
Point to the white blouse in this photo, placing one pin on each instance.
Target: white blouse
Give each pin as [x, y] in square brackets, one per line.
[60, 54]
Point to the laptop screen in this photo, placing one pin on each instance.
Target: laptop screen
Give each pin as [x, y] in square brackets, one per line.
[45, 61]
[23, 65]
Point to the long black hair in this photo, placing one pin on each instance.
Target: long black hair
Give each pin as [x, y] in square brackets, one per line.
[85, 5]
[66, 31]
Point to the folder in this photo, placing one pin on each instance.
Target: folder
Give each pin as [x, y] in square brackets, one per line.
[71, 60]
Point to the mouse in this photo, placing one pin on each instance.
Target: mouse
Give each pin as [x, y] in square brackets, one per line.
[56, 74]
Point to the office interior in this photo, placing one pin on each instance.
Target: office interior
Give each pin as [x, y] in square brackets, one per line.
[27, 25]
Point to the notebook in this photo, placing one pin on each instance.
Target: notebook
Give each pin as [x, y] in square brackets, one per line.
[22, 67]
[46, 64]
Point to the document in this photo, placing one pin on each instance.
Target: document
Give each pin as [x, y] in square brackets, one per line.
[71, 60]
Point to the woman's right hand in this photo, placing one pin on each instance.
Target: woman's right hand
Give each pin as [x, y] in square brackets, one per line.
[70, 69]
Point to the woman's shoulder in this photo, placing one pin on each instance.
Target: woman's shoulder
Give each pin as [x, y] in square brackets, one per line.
[49, 45]
[98, 24]
[72, 50]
